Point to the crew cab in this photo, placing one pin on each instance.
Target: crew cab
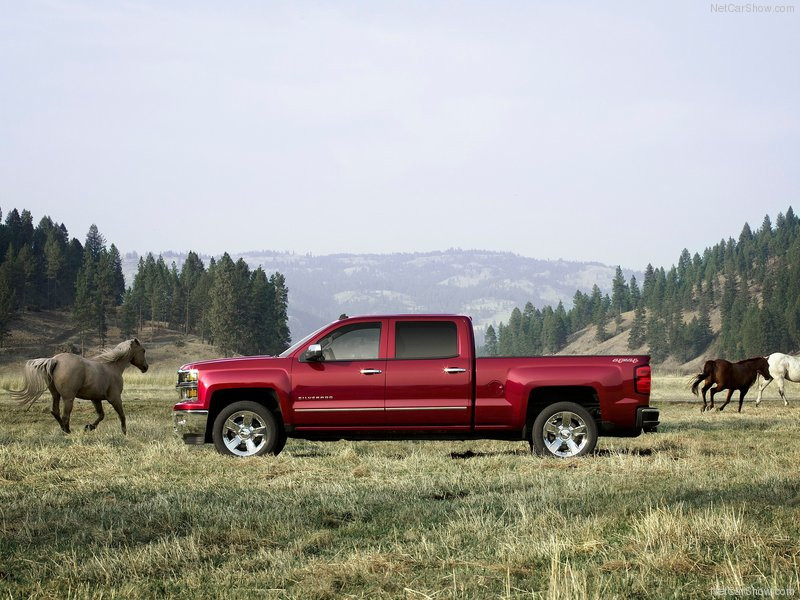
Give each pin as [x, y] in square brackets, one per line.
[410, 377]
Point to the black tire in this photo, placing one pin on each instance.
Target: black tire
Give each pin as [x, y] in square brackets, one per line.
[280, 442]
[247, 429]
[564, 430]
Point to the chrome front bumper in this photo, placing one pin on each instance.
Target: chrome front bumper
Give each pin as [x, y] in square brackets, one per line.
[191, 425]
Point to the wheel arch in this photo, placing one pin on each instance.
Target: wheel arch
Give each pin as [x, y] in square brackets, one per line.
[541, 397]
[267, 397]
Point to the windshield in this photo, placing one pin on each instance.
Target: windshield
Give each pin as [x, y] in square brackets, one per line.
[289, 351]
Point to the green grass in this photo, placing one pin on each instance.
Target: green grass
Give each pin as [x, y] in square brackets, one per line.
[712, 500]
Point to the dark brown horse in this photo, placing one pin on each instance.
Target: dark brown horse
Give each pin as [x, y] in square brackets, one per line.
[730, 376]
[68, 376]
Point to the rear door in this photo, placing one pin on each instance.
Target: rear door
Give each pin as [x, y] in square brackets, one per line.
[428, 374]
[346, 388]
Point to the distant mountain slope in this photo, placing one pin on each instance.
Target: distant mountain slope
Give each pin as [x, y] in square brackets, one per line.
[585, 342]
[486, 285]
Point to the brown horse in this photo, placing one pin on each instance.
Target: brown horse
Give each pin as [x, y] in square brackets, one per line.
[69, 376]
[730, 376]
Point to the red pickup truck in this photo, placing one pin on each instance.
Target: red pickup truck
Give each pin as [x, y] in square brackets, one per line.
[410, 377]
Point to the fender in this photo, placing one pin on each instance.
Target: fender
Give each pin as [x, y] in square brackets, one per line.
[276, 379]
[606, 381]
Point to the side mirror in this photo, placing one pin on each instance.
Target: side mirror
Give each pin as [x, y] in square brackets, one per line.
[314, 352]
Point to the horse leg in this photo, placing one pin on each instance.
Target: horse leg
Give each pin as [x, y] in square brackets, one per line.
[761, 388]
[781, 390]
[56, 406]
[98, 406]
[741, 398]
[714, 390]
[66, 414]
[116, 402]
[728, 399]
[705, 389]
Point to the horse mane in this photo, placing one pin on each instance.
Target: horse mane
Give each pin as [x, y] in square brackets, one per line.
[120, 351]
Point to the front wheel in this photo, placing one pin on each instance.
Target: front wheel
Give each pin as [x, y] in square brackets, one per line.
[247, 429]
[564, 430]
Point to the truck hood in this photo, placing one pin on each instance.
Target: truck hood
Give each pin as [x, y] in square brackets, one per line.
[241, 362]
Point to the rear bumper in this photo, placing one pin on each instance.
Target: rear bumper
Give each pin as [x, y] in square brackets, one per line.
[647, 419]
[191, 425]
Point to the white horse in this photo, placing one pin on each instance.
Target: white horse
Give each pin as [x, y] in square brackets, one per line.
[781, 367]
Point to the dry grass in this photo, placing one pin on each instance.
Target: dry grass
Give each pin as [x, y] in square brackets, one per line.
[712, 500]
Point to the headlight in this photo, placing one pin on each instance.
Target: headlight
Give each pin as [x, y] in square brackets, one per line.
[188, 376]
[187, 384]
[188, 393]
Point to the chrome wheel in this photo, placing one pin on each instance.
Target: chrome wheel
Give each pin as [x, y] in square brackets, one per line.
[564, 430]
[564, 434]
[244, 433]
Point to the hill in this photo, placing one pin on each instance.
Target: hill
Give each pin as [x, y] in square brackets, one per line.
[48, 332]
[486, 285]
[585, 342]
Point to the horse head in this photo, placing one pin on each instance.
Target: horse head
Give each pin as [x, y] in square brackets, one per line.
[137, 356]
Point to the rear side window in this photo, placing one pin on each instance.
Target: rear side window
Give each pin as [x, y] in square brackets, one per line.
[426, 339]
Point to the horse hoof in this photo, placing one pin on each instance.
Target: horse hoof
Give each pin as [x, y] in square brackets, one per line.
[89, 427]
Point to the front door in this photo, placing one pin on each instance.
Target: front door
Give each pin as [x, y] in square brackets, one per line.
[346, 388]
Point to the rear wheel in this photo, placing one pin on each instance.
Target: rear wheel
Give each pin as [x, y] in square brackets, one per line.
[564, 430]
[247, 429]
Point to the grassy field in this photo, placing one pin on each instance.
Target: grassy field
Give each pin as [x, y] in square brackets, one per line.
[711, 501]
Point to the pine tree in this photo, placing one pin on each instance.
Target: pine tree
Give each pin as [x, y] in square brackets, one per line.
[27, 267]
[504, 341]
[6, 301]
[225, 313]
[657, 338]
[84, 311]
[191, 276]
[54, 260]
[620, 293]
[636, 336]
[106, 292]
[515, 330]
[95, 242]
[281, 336]
[117, 278]
[701, 333]
[636, 294]
[130, 320]
[753, 340]
[490, 342]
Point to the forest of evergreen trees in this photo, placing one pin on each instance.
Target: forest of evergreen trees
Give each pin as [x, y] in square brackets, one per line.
[754, 283]
[238, 310]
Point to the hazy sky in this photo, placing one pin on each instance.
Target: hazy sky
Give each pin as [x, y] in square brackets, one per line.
[612, 131]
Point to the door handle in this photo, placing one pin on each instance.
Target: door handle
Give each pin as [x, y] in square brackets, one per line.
[371, 371]
[454, 370]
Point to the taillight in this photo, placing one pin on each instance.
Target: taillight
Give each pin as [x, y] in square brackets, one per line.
[641, 379]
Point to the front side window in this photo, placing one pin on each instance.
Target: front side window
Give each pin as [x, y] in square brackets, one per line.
[360, 341]
[426, 339]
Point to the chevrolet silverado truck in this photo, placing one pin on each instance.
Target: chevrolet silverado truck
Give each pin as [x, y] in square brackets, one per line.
[410, 377]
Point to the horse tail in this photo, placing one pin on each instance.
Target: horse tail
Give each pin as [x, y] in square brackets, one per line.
[708, 369]
[700, 377]
[38, 375]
